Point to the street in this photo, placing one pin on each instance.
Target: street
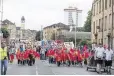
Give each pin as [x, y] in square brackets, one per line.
[44, 68]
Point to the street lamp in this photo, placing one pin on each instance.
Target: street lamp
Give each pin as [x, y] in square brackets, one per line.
[1, 11]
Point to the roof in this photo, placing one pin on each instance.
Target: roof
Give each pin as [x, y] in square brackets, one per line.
[5, 22]
[56, 25]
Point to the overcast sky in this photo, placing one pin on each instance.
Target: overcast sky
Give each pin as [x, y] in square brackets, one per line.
[42, 12]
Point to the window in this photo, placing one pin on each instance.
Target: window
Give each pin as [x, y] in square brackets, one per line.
[113, 20]
[97, 7]
[105, 23]
[94, 10]
[100, 6]
[100, 25]
[110, 1]
[105, 4]
[94, 27]
[109, 21]
[105, 41]
[102, 41]
[99, 41]
[96, 22]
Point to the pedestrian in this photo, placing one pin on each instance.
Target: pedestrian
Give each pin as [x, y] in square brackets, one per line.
[11, 58]
[108, 60]
[3, 58]
[42, 53]
[99, 58]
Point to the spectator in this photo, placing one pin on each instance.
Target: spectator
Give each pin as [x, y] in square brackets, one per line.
[99, 58]
[108, 57]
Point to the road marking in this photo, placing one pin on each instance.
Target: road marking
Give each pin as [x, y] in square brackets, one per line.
[36, 70]
[9, 67]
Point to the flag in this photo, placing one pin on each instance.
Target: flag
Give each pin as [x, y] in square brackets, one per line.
[85, 48]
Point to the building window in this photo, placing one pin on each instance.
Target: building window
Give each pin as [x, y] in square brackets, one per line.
[105, 4]
[100, 25]
[113, 20]
[105, 23]
[100, 6]
[99, 41]
[97, 8]
[105, 41]
[110, 1]
[102, 41]
[94, 10]
[94, 27]
[110, 22]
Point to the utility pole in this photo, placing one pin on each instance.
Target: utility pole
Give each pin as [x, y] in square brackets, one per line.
[1, 11]
[41, 33]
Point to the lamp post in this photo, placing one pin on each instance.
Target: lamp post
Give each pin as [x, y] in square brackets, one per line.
[1, 11]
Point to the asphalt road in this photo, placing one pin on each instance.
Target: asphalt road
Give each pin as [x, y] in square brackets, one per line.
[44, 68]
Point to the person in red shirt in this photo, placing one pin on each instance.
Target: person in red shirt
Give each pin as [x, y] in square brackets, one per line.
[72, 52]
[63, 57]
[11, 58]
[49, 55]
[80, 58]
[52, 55]
[37, 55]
[58, 59]
[85, 55]
[69, 58]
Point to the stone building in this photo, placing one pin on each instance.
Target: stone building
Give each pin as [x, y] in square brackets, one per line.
[103, 22]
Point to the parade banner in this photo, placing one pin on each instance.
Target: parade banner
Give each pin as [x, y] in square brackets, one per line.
[69, 45]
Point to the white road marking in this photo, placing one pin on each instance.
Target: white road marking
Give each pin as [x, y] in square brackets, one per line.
[36, 70]
[9, 67]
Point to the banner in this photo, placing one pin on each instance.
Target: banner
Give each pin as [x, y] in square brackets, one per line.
[69, 45]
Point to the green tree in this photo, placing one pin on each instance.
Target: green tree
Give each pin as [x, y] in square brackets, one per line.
[5, 33]
[38, 36]
[87, 25]
[83, 42]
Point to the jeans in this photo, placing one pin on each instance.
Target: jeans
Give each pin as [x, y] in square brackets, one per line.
[3, 66]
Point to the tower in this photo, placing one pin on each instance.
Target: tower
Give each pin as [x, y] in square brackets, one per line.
[22, 27]
[23, 22]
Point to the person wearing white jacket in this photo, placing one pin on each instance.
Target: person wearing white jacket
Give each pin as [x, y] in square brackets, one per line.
[108, 59]
[99, 58]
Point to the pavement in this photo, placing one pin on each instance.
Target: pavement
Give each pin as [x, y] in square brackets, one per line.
[42, 67]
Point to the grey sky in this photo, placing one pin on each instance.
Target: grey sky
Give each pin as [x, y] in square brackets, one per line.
[42, 12]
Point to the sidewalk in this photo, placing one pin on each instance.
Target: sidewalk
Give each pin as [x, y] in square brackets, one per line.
[112, 65]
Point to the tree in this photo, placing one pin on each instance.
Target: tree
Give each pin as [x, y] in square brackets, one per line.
[87, 25]
[5, 33]
[38, 36]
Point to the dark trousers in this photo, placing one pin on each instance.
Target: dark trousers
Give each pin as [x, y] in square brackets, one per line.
[4, 64]
[49, 59]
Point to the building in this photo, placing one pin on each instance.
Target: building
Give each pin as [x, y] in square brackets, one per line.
[71, 15]
[65, 34]
[18, 33]
[51, 30]
[30, 34]
[11, 27]
[103, 22]
[61, 31]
